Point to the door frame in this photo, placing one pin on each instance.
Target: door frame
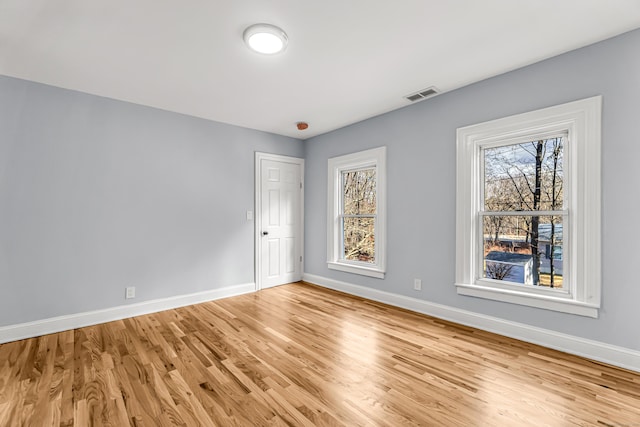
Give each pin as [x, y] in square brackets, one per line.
[259, 156]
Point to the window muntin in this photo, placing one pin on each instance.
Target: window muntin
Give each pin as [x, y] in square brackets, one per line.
[523, 212]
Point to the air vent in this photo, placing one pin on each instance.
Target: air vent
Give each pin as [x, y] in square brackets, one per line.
[423, 94]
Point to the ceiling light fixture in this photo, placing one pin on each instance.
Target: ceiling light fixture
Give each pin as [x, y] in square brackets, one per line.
[265, 38]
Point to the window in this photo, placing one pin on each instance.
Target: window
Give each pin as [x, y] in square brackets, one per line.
[356, 213]
[528, 209]
[522, 212]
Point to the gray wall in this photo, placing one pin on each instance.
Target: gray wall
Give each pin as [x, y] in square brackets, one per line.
[97, 194]
[421, 184]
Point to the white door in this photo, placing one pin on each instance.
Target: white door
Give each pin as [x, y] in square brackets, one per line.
[279, 220]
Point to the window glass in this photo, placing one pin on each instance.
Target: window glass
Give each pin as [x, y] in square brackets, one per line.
[359, 192]
[524, 177]
[513, 251]
[358, 217]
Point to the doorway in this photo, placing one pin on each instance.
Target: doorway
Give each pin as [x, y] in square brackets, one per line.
[279, 227]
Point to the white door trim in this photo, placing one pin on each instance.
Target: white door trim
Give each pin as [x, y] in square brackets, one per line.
[258, 212]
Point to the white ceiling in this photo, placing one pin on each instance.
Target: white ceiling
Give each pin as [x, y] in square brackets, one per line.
[347, 60]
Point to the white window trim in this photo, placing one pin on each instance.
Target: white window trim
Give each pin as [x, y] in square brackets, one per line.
[582, 120]
[376, 157]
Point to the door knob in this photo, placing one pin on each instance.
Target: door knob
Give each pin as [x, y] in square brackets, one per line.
[264, 233]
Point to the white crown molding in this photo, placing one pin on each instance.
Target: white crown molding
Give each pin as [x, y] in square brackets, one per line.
[89, 318]
[618, 356]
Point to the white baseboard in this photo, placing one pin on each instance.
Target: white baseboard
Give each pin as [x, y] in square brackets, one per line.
[89, 318]
[595, 350]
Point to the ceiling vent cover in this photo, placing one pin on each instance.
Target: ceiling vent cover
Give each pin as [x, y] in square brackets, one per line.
[423, 94]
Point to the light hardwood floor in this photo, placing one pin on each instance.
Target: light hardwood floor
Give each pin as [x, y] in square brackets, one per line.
[300, 355]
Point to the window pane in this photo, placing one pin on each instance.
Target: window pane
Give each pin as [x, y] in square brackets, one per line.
[359, 239]
[524, 177]
[523, 249]
[359, 192]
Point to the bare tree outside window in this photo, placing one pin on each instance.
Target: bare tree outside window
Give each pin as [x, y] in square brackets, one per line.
[499, 271]
[359, 214]
[519, 181]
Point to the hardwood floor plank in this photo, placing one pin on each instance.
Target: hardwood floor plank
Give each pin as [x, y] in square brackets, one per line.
[300, 355]
[5, 415]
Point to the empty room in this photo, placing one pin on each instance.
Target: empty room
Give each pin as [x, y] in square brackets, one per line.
[428, 219]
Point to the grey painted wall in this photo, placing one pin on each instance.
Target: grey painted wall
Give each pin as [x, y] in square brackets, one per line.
[97, 194]
[421, 184]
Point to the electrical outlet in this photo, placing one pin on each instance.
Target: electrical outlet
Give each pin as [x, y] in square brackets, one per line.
[417, 284]
[130, 292]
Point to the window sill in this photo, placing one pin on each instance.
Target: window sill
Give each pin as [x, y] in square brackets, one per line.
[522, 298]
[356, 269]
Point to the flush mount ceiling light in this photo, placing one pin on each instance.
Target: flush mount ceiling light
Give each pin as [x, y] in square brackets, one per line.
[265, 38]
